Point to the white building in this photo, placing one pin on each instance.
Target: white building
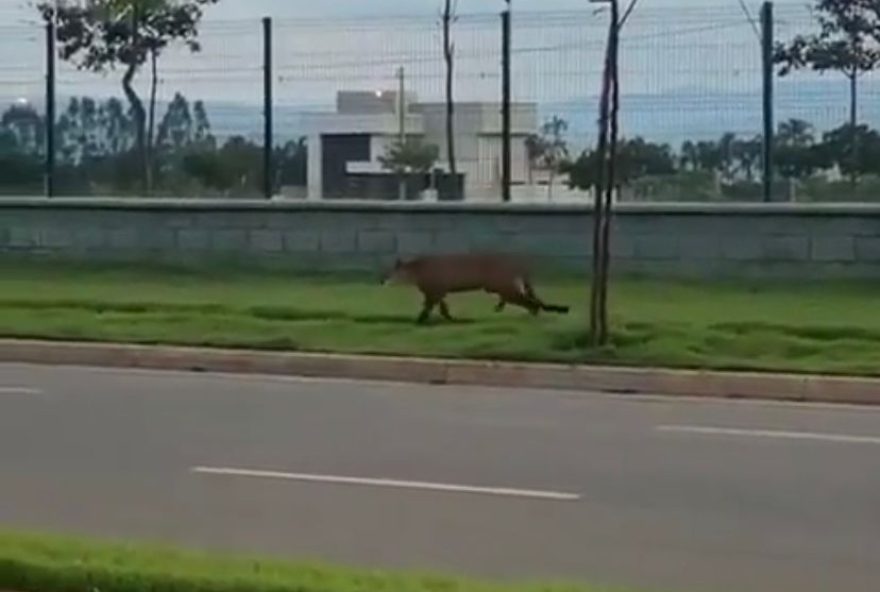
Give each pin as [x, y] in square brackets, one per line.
[345, 146]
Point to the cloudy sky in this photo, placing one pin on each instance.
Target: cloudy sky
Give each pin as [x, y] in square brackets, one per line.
[14, 10]
[290, 8]
[687, 64]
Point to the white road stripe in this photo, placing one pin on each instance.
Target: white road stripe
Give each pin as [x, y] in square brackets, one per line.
[782, 435]
[19, 390]
[392, 483]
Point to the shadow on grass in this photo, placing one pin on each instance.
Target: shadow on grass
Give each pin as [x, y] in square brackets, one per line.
[112, 307]
[263, 313]
[278, 313]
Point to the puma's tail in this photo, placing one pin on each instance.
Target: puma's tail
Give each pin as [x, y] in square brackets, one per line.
[529, 291]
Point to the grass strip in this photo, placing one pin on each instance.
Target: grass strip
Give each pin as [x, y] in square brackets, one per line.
[43, 563]
[807, 327]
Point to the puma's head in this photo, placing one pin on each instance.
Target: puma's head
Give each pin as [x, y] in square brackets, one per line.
[400, 273]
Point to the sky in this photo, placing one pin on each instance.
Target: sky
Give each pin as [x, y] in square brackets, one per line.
[16, 10]
[688, 65]
[293, 8]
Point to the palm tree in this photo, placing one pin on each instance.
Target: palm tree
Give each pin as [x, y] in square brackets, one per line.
[690, 157]
[555, 149]
[725, 155]
[534, 153]
[795, 132]
[748, 153]
[708, 156]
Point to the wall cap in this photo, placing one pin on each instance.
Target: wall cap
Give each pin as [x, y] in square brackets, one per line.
[363, 206]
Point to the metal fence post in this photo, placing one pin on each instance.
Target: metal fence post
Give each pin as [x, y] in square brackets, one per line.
[50, 108]
[268, 142]
[505, 106]
[767, 59]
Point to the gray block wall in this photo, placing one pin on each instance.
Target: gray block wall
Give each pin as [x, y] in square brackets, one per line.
[669, 240]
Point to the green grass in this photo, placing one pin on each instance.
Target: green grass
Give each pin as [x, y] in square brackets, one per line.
[804, 327]
[32, 563]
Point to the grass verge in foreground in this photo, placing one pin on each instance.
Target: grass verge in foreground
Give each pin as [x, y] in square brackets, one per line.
[31, 563]
[799, 327]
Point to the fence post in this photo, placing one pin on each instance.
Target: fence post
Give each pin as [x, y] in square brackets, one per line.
[401, 130]
[505, 106]
[268, 142]
[50, 108]
[767, 59]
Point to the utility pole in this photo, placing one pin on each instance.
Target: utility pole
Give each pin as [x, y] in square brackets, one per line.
[401, 113]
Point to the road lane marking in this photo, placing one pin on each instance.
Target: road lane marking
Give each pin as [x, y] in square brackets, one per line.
[389, 483]
[780, 435]
[19, 390]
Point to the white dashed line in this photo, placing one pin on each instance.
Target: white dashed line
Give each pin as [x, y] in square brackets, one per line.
[19, 390]
[780, 435]
[389, 483]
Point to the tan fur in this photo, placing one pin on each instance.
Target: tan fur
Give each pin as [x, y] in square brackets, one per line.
[437, 276]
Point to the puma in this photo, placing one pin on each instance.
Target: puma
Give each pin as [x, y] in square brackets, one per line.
[437, 276]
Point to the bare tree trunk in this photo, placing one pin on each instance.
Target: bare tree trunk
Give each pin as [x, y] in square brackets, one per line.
[151, 126]
[137, 106]
[598, 198]
[449, 57]
[140, 117]
[609, 204]
[613, 51]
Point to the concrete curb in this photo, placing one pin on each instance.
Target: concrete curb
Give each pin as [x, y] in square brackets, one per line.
[730, 385]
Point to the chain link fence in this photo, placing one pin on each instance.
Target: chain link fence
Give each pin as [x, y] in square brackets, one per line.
[691, 117]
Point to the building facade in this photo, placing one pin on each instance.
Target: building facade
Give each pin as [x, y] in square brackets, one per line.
[345, 146]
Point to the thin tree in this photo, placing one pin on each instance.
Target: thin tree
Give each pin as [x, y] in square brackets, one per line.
[413, 156]
[99, 35]
[450, 9]
[612, 88]
[153, 50]
[848, 41]
[796, 154]
[609, 111]
[598, 196]
[748, 154]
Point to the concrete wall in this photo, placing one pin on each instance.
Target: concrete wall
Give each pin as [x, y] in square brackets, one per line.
[664, 240]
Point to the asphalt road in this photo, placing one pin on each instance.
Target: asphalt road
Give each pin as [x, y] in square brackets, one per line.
[651, 493]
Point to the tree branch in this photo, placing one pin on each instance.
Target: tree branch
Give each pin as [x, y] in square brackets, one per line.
[628, 12]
